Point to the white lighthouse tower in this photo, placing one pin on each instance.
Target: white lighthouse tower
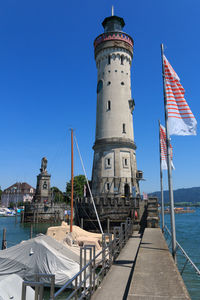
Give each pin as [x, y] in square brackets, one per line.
[114, 166]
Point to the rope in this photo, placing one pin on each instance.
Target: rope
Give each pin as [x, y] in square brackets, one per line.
[88, 186]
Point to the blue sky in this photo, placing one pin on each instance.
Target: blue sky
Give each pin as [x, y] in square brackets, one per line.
[48, 84]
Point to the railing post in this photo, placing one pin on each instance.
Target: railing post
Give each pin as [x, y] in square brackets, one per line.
[122, 235]
[84, 271]
[117, 241]
[108, 225]
[103, 254]
[23, 291]
[129, 227]
[36, 292]
[110, 249]
[94, 269]
[76, 296]
[41, 292]
[126, 231]
[81, 264]
[90, 249]
[52, 287]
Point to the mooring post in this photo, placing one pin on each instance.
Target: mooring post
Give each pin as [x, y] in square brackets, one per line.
[22, 216]
[4, 243]
[37, 216]
[16, 215]
[31, 231]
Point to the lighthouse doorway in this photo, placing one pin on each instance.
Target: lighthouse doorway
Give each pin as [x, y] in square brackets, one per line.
[126, 190]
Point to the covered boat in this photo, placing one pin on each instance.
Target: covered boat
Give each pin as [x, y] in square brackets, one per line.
[11, 288]
[42, 254]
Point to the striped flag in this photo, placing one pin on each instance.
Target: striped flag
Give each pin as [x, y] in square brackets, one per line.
[163, 149]
[181, 120]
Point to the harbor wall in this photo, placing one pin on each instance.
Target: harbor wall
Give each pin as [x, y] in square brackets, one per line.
[45, 212]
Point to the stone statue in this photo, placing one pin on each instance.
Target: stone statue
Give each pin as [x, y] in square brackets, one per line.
[43, 165]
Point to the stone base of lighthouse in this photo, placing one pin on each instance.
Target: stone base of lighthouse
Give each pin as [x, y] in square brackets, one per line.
[114, 168]
[112, 211]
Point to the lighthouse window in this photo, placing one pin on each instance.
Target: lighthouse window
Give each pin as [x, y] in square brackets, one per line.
[108, 105]
[122, 83]
[122, 60]
[124, 128]
[107, 163]
[99, 86]
[109, 82]
[109, 59]
[108, 186]
[125, 162]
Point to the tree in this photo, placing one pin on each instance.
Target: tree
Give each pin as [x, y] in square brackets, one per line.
[79, 182]
[57, 194]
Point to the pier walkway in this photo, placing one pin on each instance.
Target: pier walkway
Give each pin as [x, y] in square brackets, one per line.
[116, 283]
[153, 276]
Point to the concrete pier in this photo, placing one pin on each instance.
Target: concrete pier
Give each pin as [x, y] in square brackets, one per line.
[149, 275]
[155, 275]
[116, 283]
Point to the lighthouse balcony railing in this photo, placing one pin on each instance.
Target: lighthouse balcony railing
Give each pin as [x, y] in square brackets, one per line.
[113, 36]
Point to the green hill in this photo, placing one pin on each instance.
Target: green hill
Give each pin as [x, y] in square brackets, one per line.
[188, 195]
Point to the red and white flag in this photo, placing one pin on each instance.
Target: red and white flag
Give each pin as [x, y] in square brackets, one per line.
[163, 149]
[181, 120]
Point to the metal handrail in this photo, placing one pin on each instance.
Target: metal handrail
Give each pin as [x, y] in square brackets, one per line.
[188, 259]
[87, 279]
[106, 252]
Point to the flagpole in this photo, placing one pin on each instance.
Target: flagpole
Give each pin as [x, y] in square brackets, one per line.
[161, 184]
[72, 180]
[171, 196]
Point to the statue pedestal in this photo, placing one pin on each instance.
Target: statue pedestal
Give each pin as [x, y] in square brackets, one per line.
[43, 188]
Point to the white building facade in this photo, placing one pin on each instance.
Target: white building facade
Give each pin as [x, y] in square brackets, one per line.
[114, 165]
[20, 192]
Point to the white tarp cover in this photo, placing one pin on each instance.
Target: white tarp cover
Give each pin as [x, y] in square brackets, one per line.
[39, 255]
[11, 288]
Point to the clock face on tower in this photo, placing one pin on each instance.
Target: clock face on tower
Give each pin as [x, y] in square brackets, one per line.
[99, 86]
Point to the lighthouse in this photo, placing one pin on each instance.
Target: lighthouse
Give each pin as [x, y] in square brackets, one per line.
[114, 164]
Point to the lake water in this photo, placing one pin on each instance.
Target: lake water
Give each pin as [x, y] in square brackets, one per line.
[187, 234]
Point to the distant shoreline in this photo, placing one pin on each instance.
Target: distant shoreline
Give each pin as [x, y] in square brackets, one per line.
[184, 204]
